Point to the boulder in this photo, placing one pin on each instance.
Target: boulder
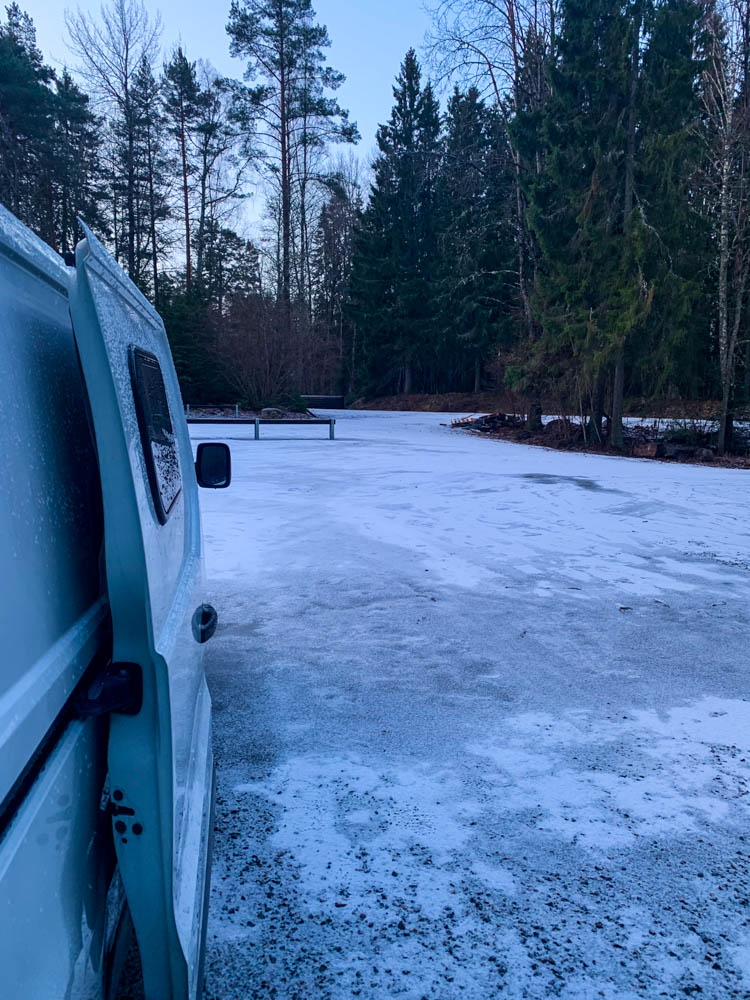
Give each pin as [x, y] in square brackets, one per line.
[272, 412]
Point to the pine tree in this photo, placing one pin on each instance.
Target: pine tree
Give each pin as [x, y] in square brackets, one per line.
[220, 169]
[152, 172]
[182, 99]
[285, 49]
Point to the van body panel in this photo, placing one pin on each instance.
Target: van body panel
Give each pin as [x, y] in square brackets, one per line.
[56, 862]
[160, 760]
[52, 608]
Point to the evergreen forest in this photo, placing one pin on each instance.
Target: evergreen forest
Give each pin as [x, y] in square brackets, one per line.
[557, 207]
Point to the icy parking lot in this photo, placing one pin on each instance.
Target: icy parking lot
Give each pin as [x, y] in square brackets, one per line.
[482, 723]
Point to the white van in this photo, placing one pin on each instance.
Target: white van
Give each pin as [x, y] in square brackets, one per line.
[106, 767]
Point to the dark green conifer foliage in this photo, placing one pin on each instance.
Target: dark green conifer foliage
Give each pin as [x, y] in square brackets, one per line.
[591, 295]
[611, 207]
[394, 284]
[27, 121]
[49, 140]
[476, 241]
[332, 267]
[673, 355]
[76, 168]
[584, 231]
[231, 267]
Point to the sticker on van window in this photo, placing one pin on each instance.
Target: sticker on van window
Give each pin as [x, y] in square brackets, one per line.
[157, 433]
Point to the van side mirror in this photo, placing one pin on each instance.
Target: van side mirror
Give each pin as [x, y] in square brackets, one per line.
[213, 465]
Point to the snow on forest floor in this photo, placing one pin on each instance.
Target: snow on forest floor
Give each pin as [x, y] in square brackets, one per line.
[482, 723]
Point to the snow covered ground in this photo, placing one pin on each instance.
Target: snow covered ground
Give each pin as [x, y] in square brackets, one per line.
[481, 719]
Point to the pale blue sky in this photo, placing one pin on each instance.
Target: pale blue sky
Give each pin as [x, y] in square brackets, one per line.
[369, 41]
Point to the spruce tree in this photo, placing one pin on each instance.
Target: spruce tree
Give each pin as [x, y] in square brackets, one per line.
[476, 238]
[592, 299]
[76, 166]
[332, 259]
[394, 295]
[27, 114]
[673, 355]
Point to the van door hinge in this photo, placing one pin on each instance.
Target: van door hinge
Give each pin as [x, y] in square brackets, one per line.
[118, 687]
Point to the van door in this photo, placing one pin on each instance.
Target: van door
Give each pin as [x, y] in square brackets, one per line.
[159, 754]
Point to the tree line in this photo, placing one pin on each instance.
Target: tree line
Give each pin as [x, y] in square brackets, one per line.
[576, 221]
[571, 225]
[159, 157]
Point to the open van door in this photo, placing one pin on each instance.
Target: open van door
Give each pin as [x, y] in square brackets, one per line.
[160, 757]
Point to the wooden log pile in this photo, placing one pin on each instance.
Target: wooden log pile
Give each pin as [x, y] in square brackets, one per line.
[489, 422]
[688, 443]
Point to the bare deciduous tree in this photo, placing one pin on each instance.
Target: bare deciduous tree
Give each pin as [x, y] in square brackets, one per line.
[110, 51]
[726, 132]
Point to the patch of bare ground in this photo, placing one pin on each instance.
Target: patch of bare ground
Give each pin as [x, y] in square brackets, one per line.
[641, 441]
[508, 402]
[504, 411]
[447, 402]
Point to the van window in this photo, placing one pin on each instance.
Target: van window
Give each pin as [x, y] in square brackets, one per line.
[157, 435]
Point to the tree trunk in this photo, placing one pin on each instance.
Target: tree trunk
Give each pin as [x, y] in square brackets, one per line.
[114, 218]
[615, 432]
[407, 378]
[202, 220]
[521, 218]
[130, 186]
[477, 374]
[597, 406]
[723, 442]
[726, 423]
[534, 415]
[725, 355]
[152, 213]
[286, 204]
[183, 149]
[352, 372]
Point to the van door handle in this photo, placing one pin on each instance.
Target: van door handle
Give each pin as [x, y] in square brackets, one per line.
[205, 621]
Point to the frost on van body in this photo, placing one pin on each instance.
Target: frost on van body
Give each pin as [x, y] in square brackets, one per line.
[115, 336]
[481, 720]
[19, 238]
[167, 468]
